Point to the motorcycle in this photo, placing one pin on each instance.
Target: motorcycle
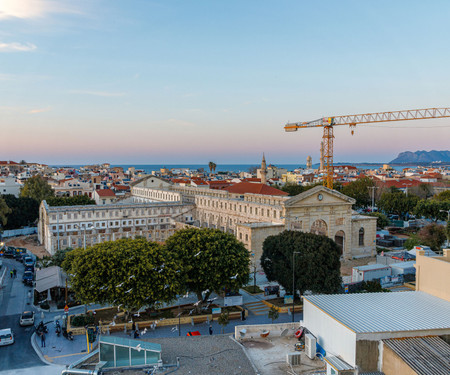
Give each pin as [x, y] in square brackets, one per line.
[68, 335]
[57, 328]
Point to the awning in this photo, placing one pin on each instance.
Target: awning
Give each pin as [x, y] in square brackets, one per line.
[51, 277]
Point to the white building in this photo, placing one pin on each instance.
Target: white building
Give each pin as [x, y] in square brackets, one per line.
[352, 327]
[8, 185]
[74, 226]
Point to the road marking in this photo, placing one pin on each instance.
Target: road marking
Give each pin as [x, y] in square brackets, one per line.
[64, 355]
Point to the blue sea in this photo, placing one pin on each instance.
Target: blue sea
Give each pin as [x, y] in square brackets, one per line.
[148, 168]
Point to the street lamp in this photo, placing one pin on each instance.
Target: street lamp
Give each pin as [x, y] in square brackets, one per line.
[293, 283]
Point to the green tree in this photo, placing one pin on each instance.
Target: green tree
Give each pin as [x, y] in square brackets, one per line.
[77, 200]
[223, 320]
[359, 190]
[4, 212]
[423, 191]
[129, 272]
[433, 235]
[23, 211]
[273, 313]
[432, 209]
[396, 202]
[412, 241]
[212, 166]
[37, 188]
[317, 266]
[212, 260]
[56, 259]
[442, 196]
[382, 220]
[293, 188]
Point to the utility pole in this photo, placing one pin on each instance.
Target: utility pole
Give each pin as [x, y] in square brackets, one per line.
[373, 195]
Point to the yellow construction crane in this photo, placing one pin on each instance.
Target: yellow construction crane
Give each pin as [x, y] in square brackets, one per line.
[327, 123]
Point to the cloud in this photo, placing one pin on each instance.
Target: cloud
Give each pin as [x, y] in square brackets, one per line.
[28, 9]
[98, 93]
[16, 47]
[39, 110]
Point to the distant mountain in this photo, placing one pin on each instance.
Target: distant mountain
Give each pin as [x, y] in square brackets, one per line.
[422, 157]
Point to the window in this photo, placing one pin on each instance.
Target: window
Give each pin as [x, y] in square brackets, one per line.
[361, 237]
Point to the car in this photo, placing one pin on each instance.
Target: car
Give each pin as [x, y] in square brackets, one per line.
[28, 261]
[26, 319]
[6, 337]
[28, 277]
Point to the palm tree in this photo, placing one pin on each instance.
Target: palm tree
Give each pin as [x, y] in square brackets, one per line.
[212, 167]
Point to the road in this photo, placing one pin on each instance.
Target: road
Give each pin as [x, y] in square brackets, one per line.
[13, 300]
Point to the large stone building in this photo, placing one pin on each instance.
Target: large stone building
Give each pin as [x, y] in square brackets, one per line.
[252, 216]
[76, 226]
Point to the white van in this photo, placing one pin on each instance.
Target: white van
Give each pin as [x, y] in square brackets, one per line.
[6, 337]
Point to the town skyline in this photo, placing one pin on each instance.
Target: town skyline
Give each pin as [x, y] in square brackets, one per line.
[161, 82]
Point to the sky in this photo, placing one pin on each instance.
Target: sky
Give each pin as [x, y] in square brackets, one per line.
[176, 81]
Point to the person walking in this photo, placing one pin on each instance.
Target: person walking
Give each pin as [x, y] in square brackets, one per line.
[210, 329]
[15, 273]
[11, 273]
[42, 339]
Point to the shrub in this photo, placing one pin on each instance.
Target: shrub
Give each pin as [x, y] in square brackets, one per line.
[82, 320]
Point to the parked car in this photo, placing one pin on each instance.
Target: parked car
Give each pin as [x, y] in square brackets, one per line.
[6, 337]
[28, 277]
[26, 319]
[28, 261]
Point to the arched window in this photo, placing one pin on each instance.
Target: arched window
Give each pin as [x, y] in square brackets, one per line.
[361, 237]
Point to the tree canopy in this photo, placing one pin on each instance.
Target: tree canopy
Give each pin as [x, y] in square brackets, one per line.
[292, 188]
[4, 211]
[37, 188]
[23, 211]
[211, 259]
[382, 220]
[433, 235]
[317, 266]
[433, 209]
[396, 202]
[77, 200]
[359, 190]
[442, 196]
[129, 272]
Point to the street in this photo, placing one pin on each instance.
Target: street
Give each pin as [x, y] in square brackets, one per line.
[13, 300]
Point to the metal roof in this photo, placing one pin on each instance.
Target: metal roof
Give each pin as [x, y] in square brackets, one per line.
[371, 267]
[385, 312]
[425, 355]
[129, 343]
[50, 277]
[338, 363]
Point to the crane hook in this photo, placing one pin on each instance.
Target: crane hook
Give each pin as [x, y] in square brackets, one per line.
[352, 130]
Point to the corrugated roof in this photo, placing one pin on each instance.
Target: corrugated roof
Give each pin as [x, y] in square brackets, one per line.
[338, 363]
[371, 267]
[425, 355]
[385, 312]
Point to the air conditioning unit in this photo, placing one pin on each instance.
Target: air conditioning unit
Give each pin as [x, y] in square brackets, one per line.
[310, 346]
[294, 359]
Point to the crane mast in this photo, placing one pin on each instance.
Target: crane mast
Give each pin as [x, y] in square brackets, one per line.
[328, 123]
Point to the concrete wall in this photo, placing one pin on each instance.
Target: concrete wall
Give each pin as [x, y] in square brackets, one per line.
[433, 274]
[331, 335]
[393, 364]
[367, 355]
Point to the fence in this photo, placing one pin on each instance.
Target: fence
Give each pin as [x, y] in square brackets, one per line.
[19, 232]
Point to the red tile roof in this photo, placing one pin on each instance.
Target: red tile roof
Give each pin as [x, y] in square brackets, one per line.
[251, 179]
[253, 188]
[105, 193]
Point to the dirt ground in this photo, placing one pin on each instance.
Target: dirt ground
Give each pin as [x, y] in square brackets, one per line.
[29, 242]
[347, 265]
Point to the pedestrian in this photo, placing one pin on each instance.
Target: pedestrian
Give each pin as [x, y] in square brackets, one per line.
[11, 273]
[15, 273]
[136, 334]
[42, 339]
[210, 329]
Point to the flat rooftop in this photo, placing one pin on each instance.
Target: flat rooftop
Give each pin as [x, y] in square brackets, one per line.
[385, 312]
